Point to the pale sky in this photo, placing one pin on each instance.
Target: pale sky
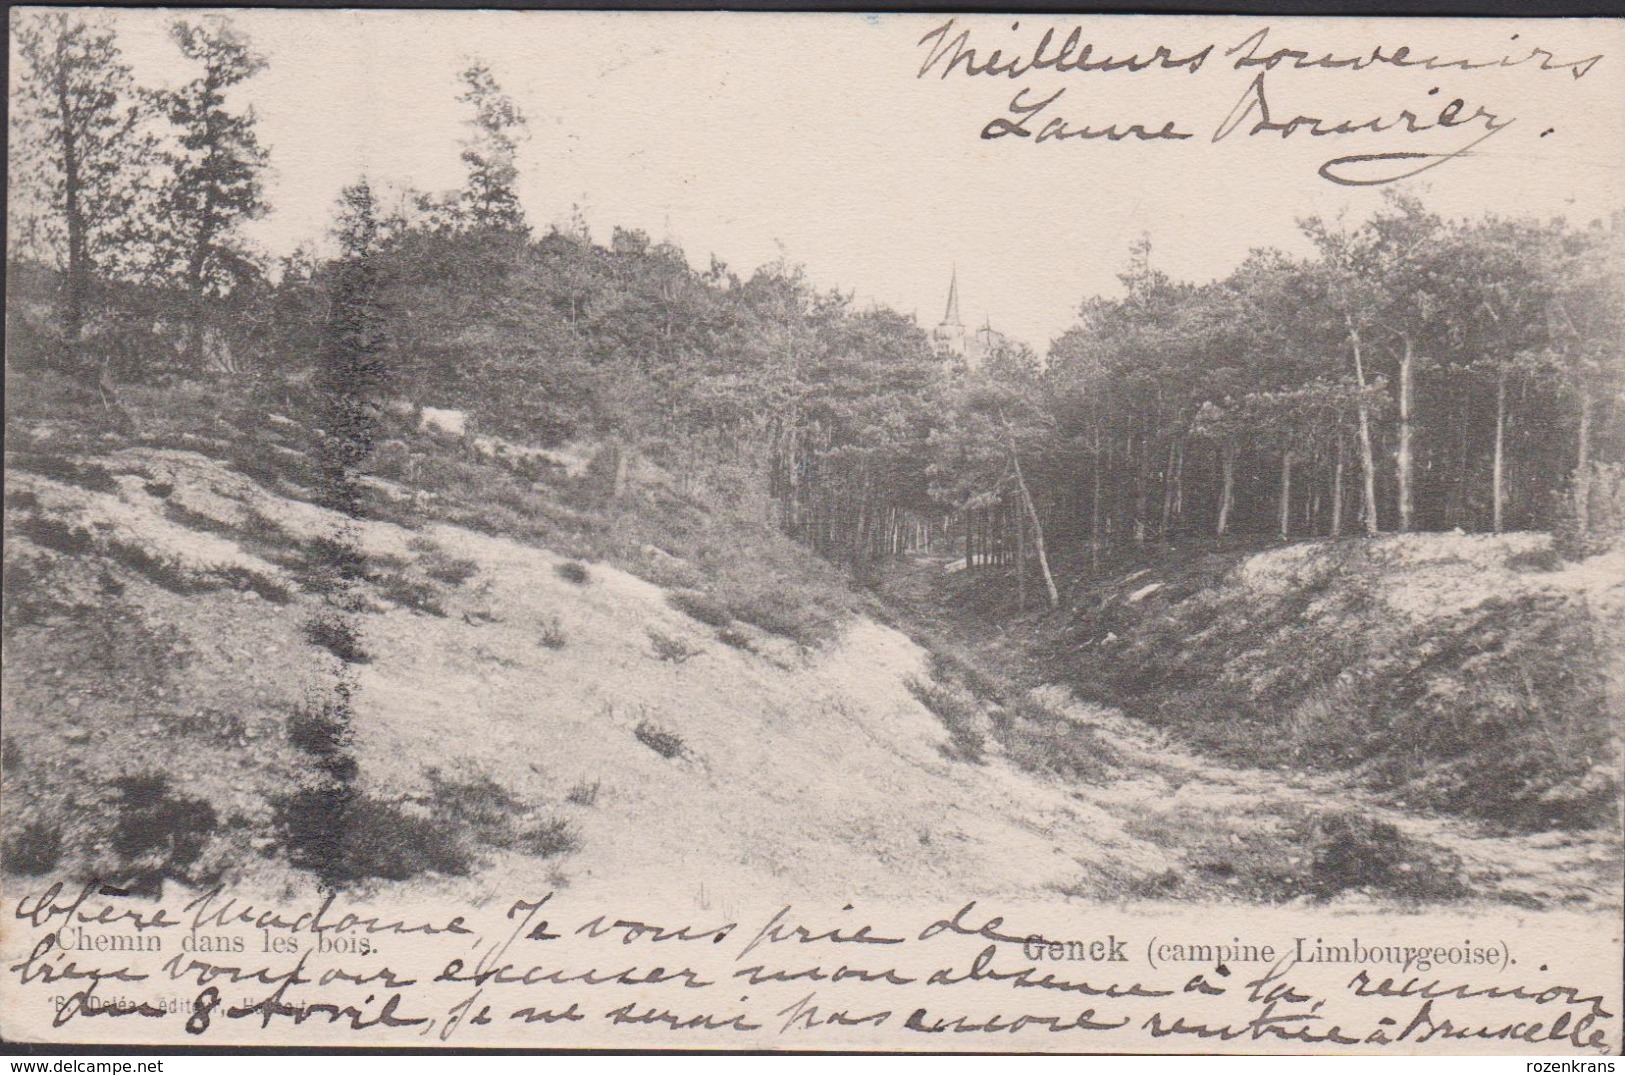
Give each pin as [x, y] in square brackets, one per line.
[812, 136]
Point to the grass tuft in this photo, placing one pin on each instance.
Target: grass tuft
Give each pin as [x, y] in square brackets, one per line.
[584, 794]
[671, 649]
[553, 636]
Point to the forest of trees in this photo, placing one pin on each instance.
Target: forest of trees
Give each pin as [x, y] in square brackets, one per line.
[1408, 373]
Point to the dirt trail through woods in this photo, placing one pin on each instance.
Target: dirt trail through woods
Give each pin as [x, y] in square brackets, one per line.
[1193, 806]
[1160, 782]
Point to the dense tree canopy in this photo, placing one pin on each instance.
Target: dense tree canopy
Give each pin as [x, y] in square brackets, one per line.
[1409, 372]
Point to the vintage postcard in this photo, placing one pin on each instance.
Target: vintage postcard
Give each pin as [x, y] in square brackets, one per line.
[814, 532]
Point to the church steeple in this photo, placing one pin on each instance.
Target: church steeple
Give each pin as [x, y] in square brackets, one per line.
[951, 315]
[949, 335]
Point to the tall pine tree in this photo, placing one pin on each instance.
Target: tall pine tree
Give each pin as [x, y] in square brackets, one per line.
[80, 156]
[490, 153]
[214, 182]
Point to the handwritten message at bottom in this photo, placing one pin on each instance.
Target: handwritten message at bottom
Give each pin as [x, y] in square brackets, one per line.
[557, 969]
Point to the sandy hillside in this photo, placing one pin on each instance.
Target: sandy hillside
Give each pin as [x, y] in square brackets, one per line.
[799, 772]
[793, 772]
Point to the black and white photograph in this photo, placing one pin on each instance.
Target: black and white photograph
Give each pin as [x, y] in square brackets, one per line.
[789, 531]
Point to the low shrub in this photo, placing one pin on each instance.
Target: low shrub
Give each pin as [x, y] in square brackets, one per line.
[321, 727]
[34, 849]
[415, 594]
[666, 744]
[329, 564]
[700, 607]
[671, 649]
[783, 615]
[1352, 851]
[450, 570]
[553, 636]
[732, 636]
[29, 594]
[260, 530]
[949, 667]
[92, 476]
[56, 535]
[21, 500]
[958, 713]
[548, 838]
[344, 836]
[481, 806]
[1546, 559]
[1038, 740]
[337, 636]
[573, 571]
[156, 832]
[166, 571]
[181, 515]
[244, 578]
[488, 813]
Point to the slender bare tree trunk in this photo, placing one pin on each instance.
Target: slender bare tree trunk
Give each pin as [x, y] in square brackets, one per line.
[1286, 494]
[1179, 484]
[1337, 491]
[617, 470]
[1402, 459]
[1368, 464]
[1582, 468]
[1498, 473]
[1094, 508]
[1038, 527]
[78, 276]
[1021, 562]
[1311, 509]
[1227, 498]
[1142, 490]
[1168, 479]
